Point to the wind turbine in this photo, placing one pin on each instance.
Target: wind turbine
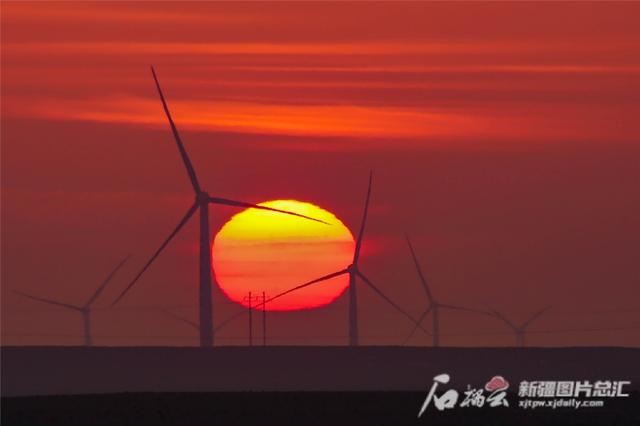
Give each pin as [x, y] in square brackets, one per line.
[194, 324]
[85, 310]
[201, 204]
[187, 321]
[433, 305]
[354, 272]
[520, 330]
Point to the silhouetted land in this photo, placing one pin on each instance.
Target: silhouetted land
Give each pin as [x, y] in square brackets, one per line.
[79, 370]
[240, 385]
[291, 408]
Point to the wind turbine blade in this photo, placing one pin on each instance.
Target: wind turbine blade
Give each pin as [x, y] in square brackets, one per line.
[176, 135]
[183, 221]
[462, 308]
[227, 202]
[356, 254]
[301, 286]
[504, 319]
[197, 327]
[534, 317]
[317, 280]
[106, 281]
[231, 318]
[423, 280]
[415, 327]
[48, 301]
[390, 302]
[179, 318]
[291, 290]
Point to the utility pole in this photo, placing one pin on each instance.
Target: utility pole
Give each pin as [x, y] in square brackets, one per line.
[250, 299]
[264, 319]
[250, 321]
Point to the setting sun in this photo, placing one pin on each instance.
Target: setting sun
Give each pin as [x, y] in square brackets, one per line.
[260, 251]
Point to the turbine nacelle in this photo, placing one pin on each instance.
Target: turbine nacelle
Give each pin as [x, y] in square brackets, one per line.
[202, 197]
[519, 330]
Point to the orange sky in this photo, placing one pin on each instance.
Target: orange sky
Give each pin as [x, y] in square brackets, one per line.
[503, 136]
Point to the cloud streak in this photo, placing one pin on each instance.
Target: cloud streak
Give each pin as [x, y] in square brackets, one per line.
[324, 120]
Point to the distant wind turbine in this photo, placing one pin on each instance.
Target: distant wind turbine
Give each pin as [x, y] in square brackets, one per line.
[354, 272]
[201, 203]
[520, 330]
[194, 324]
[187, 321]
[433, 305]
[85, 310]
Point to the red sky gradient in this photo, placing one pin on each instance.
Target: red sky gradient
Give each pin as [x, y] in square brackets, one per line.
[503, 137]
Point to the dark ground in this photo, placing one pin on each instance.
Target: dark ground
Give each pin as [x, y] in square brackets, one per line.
[291, 408]
[78, 370]
[296, 385]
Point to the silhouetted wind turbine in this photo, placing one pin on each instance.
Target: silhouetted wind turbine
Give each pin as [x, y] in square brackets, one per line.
[520, 330]
[201, 203]
[354, 272]
[194, 324]
[433, 305]
[85, 310]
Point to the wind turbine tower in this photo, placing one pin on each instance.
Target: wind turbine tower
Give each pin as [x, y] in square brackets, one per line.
[84, 310]
[433, 304]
